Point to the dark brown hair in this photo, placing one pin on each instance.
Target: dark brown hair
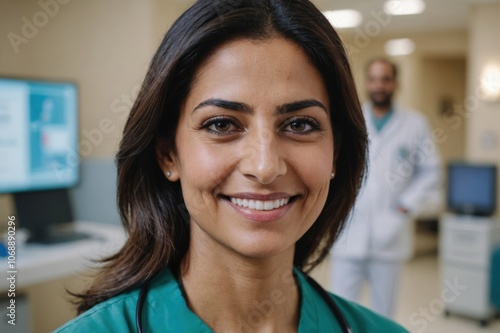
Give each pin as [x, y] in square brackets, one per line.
[152, 208]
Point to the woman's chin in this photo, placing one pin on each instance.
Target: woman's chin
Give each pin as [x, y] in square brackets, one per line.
[257, 250]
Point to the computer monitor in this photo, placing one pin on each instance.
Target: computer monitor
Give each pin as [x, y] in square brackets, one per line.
[39, 150]
[472, 188]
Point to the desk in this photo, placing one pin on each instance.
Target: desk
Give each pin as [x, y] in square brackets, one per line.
[38, 263]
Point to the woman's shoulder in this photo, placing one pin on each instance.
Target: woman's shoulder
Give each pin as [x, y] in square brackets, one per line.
[113, 315]
[362, 319]
[117, 314]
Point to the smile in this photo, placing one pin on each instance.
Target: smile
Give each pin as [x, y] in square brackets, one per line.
[259, 204]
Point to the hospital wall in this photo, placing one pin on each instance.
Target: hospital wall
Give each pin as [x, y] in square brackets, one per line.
[483, 128]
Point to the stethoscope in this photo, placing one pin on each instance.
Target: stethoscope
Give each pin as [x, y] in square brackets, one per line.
[346, 328]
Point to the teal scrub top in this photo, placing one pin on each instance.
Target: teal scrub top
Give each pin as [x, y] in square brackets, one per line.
[166, 311]
[380, 122]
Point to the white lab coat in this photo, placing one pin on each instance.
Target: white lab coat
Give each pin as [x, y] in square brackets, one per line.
[404, 168]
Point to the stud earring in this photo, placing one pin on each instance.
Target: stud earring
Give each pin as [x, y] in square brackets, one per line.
[333, 175]
[168, 174]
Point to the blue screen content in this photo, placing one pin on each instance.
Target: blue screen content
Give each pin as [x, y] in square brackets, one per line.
[38, 135]
[472, 187]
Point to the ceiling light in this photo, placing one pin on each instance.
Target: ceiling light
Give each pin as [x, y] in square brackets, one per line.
[404, 7]
[399, 47]
[345, 18]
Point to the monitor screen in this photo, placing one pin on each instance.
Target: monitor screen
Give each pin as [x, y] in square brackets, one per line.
[38, 135]
[472, 188]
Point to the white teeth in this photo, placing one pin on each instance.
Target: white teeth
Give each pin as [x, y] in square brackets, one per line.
[260, 205]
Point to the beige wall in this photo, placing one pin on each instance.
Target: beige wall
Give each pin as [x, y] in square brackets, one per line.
[164, 13]
[483, 131]
[443, 82]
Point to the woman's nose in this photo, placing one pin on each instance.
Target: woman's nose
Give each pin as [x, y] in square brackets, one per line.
[263, 158]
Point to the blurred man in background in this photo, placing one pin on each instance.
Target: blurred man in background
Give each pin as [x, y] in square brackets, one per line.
[404, 168]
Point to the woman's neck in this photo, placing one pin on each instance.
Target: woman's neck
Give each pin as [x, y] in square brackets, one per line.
[235, 294]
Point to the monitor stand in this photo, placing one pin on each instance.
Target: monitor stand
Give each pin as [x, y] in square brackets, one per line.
[47, 215]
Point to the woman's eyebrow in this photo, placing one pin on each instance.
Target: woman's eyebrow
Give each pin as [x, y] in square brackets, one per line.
[229, 105]
[300, 105]
[247, 109]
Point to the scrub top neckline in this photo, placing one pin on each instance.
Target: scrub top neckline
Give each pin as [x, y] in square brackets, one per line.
[379, 122]
[308, 317]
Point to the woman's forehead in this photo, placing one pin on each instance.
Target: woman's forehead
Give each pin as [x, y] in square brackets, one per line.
[254, 69]
[257, 56]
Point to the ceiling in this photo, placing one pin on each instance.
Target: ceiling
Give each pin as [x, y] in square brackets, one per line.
[439, 15]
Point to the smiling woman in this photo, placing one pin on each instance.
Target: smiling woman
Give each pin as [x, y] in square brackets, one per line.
[239, 164]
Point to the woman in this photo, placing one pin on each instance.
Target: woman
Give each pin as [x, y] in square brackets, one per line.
[239, 164]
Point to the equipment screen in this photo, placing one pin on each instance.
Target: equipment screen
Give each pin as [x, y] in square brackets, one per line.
[38, 135]
[471, 188]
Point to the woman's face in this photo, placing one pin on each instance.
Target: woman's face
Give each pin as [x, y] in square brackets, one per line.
[254, 148]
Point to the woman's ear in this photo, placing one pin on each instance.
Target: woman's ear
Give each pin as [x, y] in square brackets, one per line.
[167, 160]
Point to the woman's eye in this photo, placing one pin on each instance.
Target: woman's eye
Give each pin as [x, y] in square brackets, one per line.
[220, 126]
[302, 126]
[298, 126]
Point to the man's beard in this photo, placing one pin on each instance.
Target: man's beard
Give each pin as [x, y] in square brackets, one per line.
[384, 102]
